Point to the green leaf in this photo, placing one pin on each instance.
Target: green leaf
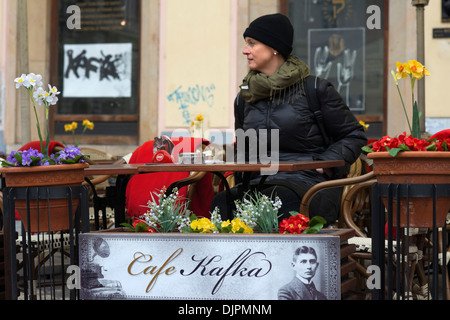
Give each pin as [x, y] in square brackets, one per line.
[226, 229]
[432, 147]
[404, 147]
[367, 149]
[316, 220]
[7, 164]
[416, 122]
[140, 227]
[127, 225]
[394, 151]
[315, 225]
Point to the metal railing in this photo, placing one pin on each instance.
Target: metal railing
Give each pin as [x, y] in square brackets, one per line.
[36, 262]
[412, 260]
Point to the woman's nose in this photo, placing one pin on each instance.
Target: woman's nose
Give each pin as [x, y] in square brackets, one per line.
[246, 49]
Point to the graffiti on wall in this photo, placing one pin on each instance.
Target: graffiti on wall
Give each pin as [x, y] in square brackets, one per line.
[97, 70]
[196, 95]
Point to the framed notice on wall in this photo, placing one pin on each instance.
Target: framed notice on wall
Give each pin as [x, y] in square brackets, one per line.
[445, 10]
[199, 266]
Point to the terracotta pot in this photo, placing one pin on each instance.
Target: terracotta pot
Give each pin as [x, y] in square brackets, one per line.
[45, 176]
[415, 167]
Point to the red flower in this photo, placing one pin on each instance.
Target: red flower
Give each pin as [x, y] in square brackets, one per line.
[384, 142]
[405, 143]
[443, 144]
[414, 144]
[149, 229]
[294, 224]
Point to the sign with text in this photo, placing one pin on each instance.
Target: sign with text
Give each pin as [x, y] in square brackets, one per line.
[198, 266]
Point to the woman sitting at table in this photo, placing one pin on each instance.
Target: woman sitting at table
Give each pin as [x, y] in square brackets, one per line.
[273, 97]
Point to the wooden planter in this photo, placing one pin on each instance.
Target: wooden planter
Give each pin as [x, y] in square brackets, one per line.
[415, 167]
[51, 214]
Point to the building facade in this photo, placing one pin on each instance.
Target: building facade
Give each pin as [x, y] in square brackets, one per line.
[142, 68]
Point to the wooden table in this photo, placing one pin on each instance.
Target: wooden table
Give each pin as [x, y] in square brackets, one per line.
[125, 170]
[135, 168]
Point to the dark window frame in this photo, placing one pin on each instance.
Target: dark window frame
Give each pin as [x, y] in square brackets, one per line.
[56, 119]
[379, 120]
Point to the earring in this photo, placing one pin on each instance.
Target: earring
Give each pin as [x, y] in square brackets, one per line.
[275, 53]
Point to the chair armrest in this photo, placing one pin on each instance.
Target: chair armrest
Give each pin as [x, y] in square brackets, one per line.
[348, 205]
[192, 179]
[306, 200]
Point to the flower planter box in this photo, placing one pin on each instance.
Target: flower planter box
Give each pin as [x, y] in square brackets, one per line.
[45, 214]
[415, 167]
[124, 265]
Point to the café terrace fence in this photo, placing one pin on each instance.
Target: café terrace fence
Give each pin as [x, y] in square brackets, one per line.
[35, 264]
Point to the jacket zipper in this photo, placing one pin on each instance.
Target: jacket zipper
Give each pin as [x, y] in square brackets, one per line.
[269, 109]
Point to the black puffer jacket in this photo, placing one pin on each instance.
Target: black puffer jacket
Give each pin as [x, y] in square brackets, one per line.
[299, 134]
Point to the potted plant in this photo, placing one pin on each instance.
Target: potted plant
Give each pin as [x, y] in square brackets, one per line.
[38, 168]
[254, 214]
[411, 159]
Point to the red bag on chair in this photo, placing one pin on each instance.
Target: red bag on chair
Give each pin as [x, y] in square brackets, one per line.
[37, 146]
[141, 187]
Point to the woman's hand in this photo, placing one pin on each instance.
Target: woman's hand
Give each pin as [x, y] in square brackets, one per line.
[326, 171]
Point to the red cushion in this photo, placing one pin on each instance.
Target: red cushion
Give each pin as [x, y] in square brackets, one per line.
[441, 135]
[142, 186]
[37, 146]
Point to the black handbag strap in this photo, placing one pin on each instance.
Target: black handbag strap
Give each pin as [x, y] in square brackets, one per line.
[314, 105]
[313, 102]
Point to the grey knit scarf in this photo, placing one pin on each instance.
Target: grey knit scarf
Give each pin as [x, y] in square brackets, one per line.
[258, 86]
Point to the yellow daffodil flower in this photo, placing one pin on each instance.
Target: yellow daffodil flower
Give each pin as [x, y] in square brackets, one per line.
[68, 127]
[365, 126]
[88, 124]
[199, 117]
[403, 70]
[416, 69]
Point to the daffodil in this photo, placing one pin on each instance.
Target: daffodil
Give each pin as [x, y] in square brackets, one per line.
[403, 70]
[416, 71]
[88, 125]
[74, 125]
[199, 117]
[364, 125]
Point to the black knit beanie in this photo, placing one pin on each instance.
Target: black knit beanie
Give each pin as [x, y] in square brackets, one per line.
[274, 30]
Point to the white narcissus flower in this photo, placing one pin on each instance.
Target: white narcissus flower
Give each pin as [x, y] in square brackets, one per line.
[34, 80]
[39, 95]
[30, 80]
[53, 90]
[50, 98]
[20, 80]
